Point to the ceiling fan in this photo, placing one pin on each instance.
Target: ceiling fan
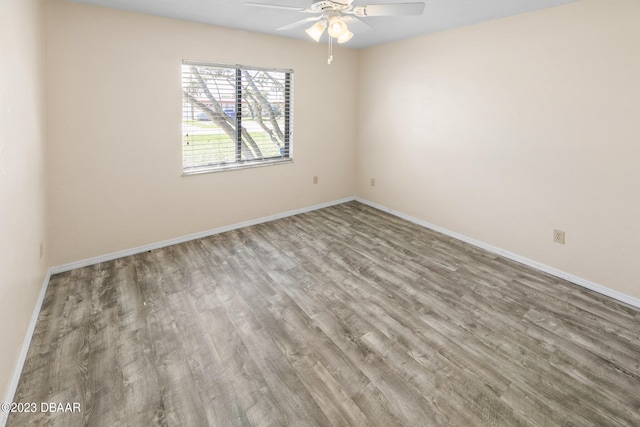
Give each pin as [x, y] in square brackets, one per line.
[334, 15]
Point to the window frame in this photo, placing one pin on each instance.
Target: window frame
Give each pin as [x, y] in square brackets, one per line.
[239, 163]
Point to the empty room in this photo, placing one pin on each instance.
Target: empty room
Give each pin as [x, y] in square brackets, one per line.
[320, 212]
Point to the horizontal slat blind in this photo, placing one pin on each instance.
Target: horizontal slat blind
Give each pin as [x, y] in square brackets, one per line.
[234, 116]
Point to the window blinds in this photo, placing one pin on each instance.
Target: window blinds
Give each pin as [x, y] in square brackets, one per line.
[234, 116]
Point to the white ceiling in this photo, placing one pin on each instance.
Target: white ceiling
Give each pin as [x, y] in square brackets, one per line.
[438, 15]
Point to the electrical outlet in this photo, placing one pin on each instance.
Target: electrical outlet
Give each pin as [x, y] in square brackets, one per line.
[373, 182]
[315, 179]
[558, 236]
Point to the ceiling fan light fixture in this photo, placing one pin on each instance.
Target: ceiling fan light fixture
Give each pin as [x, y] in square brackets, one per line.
[345, 37]
[315, 31]
[336, 27]
[335, 14]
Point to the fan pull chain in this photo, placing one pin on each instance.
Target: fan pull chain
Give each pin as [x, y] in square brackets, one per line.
[330, 59]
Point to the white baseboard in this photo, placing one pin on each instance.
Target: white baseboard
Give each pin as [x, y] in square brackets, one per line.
[627, 299]
[182, 239]
[13, 385]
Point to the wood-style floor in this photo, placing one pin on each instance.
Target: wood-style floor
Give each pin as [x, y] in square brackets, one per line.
[344, 316]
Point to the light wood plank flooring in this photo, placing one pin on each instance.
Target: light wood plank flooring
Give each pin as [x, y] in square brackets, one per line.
[344, 316]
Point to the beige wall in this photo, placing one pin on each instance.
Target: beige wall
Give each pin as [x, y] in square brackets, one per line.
[114, 106]
[22, 172]
[506, 130]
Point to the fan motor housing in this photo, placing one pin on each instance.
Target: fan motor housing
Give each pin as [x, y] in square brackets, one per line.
[324, 5]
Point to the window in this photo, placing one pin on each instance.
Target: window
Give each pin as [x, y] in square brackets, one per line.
[234, 116]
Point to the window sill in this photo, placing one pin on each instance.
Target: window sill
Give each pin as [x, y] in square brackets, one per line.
[234, 166]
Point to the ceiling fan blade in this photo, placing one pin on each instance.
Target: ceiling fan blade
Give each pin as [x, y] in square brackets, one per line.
[391, 9]
[299, 23]
[273, 6]
[356, 25]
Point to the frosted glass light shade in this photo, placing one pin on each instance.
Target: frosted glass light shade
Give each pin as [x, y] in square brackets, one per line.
[337, 27]
[315, 31]
[345, 37]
